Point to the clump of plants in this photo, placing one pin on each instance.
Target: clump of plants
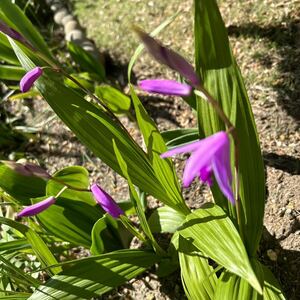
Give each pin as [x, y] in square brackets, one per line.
[215, 246]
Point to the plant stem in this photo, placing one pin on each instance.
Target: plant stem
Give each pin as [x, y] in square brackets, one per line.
[232, 130]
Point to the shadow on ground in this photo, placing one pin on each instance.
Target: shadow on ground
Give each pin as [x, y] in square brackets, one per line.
[286, 39]
[286, 267]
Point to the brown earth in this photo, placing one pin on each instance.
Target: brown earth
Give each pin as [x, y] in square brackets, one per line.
[265, 37]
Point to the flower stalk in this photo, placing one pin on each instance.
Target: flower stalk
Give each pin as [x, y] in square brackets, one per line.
[202, 92]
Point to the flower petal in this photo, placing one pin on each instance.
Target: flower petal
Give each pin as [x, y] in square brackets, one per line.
[36, 208]
[165, 87]
[168, 57]
[206, 175]
[106, 201]
[29, 78]
[222, 170]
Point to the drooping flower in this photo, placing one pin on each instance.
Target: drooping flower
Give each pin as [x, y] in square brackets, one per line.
[36, 208]
[165, 87]
[27, 169]
[29, 78]
[14, 34]
[209, 156]
[106, 201]
[168, 57]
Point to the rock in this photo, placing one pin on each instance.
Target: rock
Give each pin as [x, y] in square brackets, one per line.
[272, 255]
[75, 35]
[71, 25]
[56, 7]
[59, 15]
[67, 19]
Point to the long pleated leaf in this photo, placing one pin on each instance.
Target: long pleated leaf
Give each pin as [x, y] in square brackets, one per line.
[222, 78]
[14, 17]
[163, 168]
[9, 72]
[95, 128]
[38, 245]
[198, 277]
[92, 277]
[211, 231]
[231, 286]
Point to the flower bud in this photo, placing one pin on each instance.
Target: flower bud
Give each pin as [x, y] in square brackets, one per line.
[36, 208]
[106, 201]
[165, 87]
[29, 78]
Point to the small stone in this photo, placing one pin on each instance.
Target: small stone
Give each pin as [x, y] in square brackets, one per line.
[75, 35]
[150, 297]
[59, 15]
[55, 7]
[67, 19]
[282, 211]
[272, 255]
[71, 25]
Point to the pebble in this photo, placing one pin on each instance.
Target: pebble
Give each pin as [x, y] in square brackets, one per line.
[71, 25]
[75, 35]
[272, 255]
[67, 19]
[59, 15]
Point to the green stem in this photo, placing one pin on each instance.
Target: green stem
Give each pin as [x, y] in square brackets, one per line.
[202, 92]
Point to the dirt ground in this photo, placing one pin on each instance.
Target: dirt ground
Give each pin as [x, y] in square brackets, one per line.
[265, 37]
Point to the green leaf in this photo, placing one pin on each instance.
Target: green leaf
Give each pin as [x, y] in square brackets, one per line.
[11, 72]
[113, 98]
[20, 187]
[38, 245]
[198, 277]
[272, 289]
[135, 198]
[231, 286]
[86, 61]
[177, 137]
[15, 245]
[163, 168]
[6, 53]
[212, 232]
[165, 219]
[95, 128]
[17, 273]
[15, 18]
[88, 84]
[74, 213]
[92, 277]
[222, 78]
[140, 48]
[105, 235]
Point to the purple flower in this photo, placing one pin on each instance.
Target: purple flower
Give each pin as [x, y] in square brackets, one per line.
[29, 78]
[27, 169]
[36, 208]
[168, 57]
[165, 87]
[14, 34]
[106, 201]
[210, 155]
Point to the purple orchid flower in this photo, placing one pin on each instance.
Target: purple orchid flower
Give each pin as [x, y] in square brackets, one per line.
[29, 78]
[36, 208]
[168, 57]
[14, 34]
[106, 201]
[165, 87]
[27, 169]
[209, 156]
